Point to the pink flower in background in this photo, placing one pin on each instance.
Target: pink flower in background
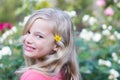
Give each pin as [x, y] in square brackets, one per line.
[109, 11]
[5, 25]
[100, 2]
[1, 27]
[8, 25]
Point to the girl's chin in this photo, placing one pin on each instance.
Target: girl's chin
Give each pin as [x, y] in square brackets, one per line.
[28, 54]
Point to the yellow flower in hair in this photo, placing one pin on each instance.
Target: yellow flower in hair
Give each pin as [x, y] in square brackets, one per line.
[57, 38]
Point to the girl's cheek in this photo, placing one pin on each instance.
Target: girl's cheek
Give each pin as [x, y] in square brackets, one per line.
[23, 38]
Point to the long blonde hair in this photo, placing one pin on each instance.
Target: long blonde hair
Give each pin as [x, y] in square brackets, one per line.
[64, 60]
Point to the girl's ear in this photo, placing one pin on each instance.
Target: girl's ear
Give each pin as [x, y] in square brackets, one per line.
[56, 47]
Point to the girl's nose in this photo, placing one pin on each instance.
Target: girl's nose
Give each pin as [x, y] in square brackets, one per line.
[28, 39]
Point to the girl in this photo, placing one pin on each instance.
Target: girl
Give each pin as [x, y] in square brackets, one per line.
[49, 47]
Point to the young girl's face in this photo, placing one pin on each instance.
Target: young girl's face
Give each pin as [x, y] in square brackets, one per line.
[39, 40]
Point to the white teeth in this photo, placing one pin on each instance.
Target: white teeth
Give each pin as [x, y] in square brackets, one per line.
[28, 48]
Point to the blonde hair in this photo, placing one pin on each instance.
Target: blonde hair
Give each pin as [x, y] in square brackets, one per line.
[64, 60]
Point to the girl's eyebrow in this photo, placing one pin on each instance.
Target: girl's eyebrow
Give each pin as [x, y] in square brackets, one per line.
[43, 34]
[40, 33]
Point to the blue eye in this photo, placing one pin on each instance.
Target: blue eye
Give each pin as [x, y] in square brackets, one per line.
[39, 36]
[28, 32]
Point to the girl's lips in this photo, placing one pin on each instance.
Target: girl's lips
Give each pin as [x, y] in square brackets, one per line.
[28, 48]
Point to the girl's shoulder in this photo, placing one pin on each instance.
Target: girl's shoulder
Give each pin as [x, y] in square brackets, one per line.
[35, 75]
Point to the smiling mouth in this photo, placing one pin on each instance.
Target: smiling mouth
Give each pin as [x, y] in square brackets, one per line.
[28, 48]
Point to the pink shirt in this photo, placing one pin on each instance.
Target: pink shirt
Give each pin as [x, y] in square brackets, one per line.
[34, 75]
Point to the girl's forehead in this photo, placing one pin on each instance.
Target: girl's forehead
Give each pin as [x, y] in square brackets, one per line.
[41, 25]
[44, 22]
